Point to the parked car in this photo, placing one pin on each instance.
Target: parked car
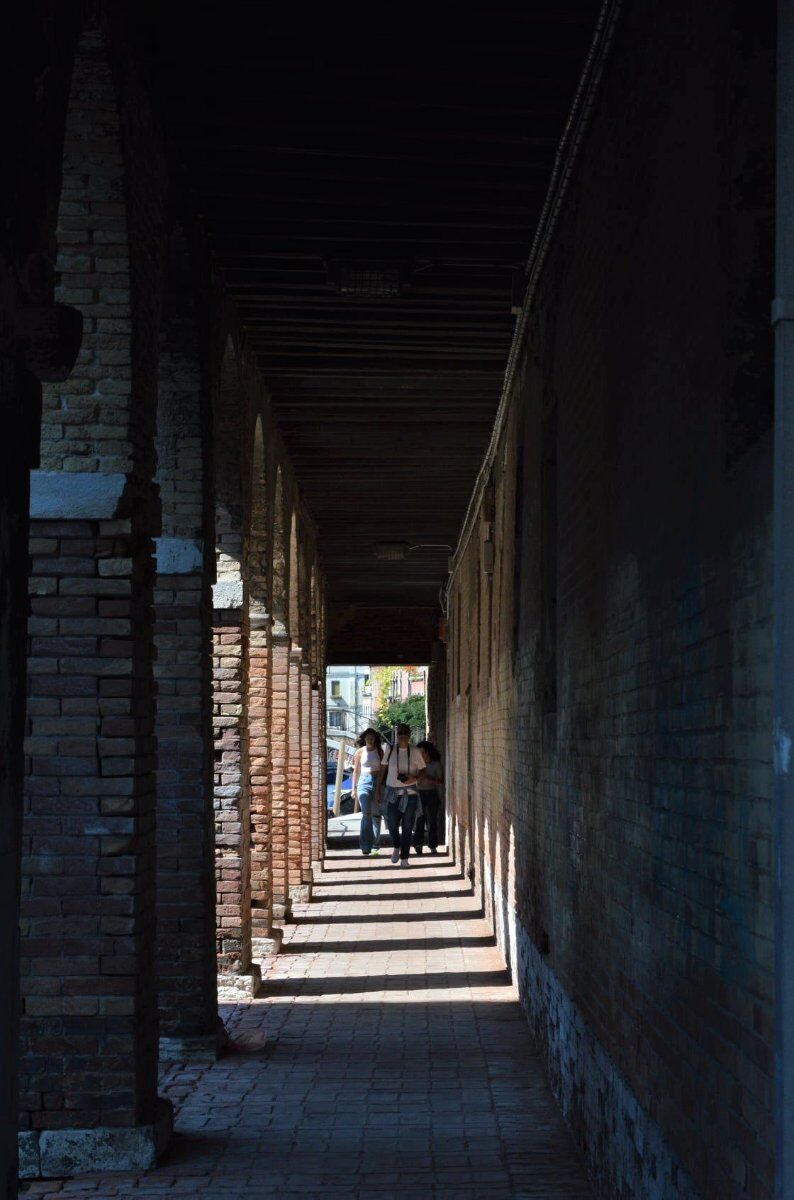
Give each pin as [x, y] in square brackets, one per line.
[346, 801]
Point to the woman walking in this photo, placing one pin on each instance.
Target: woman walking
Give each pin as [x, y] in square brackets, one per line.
[429, 782]
[366, 786]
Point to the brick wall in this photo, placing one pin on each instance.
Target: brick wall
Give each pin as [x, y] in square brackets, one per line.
[259, 717]
[89, 1046]
[295, 776]
[307, 774]
[232, 797]
[185, 884]
[280, 734]
[149, 695]
[86, 423]
[609, 707]
[318, 802]
[183, 643]
[89, 1035]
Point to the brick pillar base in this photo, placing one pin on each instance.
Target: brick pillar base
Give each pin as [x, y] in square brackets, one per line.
[59, 1153]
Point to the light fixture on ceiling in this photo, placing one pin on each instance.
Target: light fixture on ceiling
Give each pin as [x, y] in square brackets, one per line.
[368, 279]
[395, 551]
[391, 551]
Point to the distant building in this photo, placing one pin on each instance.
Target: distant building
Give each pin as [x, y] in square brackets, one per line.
[348, 694]
[402, 683]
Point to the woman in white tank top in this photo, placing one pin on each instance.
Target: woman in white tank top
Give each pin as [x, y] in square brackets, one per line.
[366, 786]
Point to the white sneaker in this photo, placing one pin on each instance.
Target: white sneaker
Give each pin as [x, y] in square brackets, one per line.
[395, 856]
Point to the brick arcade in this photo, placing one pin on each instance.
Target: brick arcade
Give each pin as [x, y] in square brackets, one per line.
[499, 304]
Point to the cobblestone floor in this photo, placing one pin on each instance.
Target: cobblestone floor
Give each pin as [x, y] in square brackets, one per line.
[397, 1063]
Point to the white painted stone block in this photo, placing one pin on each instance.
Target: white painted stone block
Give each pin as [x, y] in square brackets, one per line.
[179, 556]
[227, 593]
[63, 1153]
[59, 496]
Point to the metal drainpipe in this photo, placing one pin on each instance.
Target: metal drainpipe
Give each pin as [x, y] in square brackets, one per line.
[783, 550]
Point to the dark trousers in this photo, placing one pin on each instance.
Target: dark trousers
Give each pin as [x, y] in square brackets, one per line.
[428, 818]
[401, 825]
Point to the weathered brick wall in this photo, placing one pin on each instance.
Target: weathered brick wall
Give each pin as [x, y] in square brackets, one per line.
[86, 422]
[185, 887]
[307, 774]
[183, 407]
[183, 643]
[89, 1045]
[259, 545]
[280, 734]
[295, 776]
[230, 682]
[259, 717]
[89, 1037]
[35, 59]
[232, 797]
[318, 802]
[260, 807]
[121, 659]
[610, 687]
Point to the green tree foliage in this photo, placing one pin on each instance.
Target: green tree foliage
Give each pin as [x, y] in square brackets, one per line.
[410, 712]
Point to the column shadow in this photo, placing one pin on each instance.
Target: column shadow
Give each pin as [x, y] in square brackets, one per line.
[387, 945]
[386, 918]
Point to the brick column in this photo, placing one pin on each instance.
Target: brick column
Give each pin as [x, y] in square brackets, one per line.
[187, 991]
[89, 1021]
[307, 779]
[13, 612]
[280, 730]
[318, 781]
[265, 937]
[236, 975]
[295, 885]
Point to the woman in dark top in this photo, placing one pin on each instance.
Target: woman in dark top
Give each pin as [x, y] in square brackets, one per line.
[428, 783]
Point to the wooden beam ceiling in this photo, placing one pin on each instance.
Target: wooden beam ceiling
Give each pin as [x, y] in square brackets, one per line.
[307, 139]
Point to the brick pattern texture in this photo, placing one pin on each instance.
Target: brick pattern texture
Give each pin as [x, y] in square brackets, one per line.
[295, 777]
[280, 732]
[318, 799]
[183, 674]
[232, 795]
[185, 855]
[88, 423]
[610, 684]
[259, 717]
[89, 1047]
[147, 710]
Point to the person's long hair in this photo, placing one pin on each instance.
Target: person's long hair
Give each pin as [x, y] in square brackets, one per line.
[431, 750]
[361, 740]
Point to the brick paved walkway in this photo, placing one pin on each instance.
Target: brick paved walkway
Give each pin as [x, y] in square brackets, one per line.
[397, 1063]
